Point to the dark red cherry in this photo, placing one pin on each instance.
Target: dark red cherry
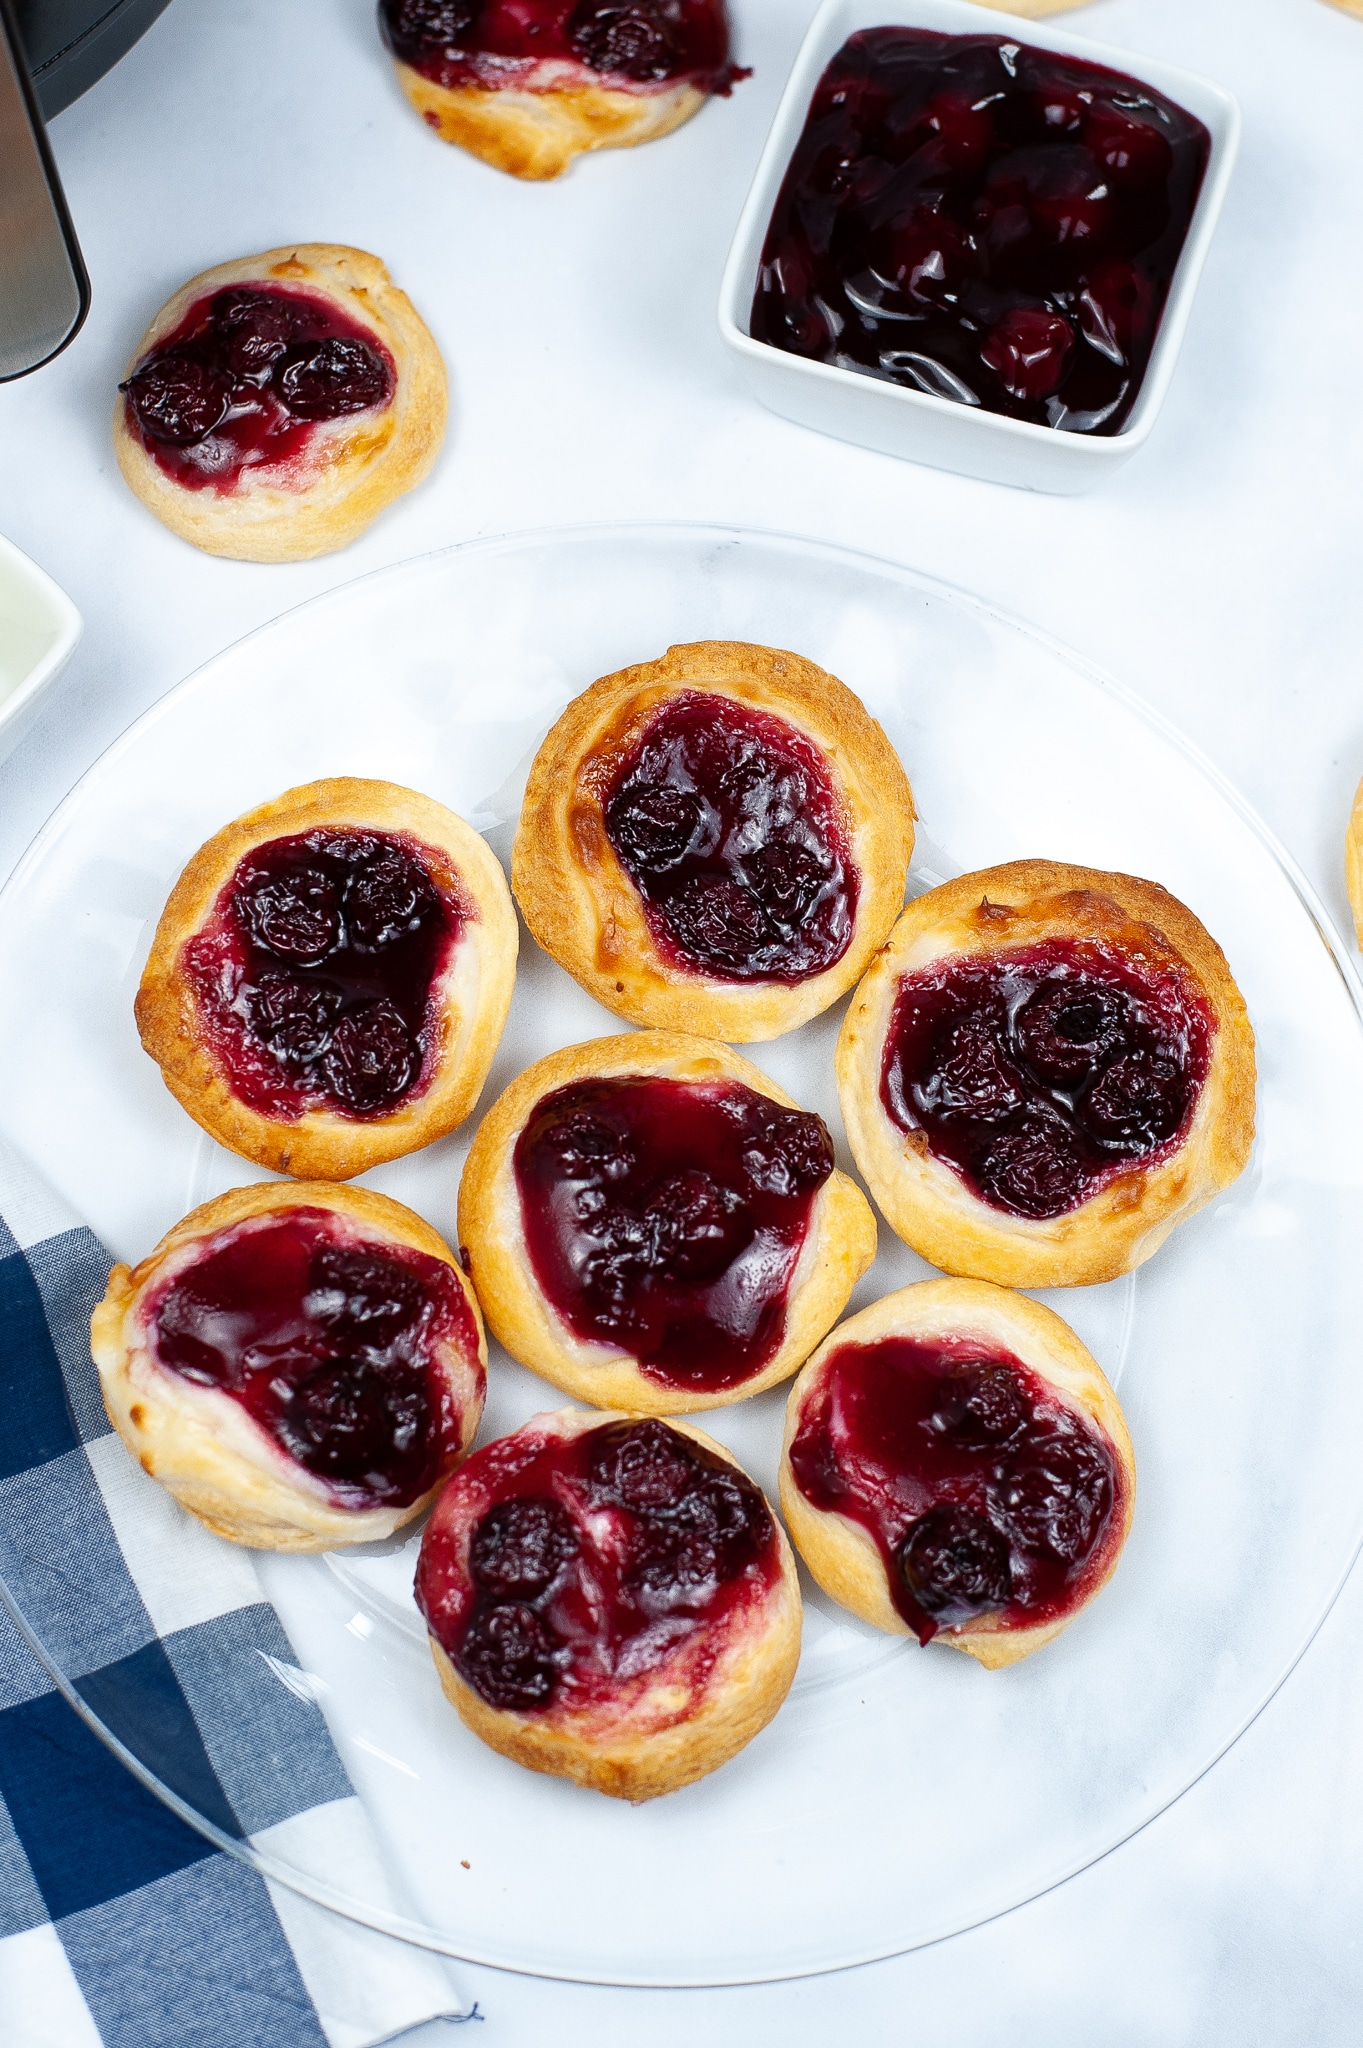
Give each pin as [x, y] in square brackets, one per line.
[1139, 1101]
[787, 1152]
[718, 920]
[387, 899]
[520, 1547]
[974, 1075]
[362, 1298]
[507, 1656]
[954, 1564]
[1059, 109]
[349, 1414]
[179, 395]
[296, 916]
[657, 827]
[642, 1465]
[588, 1147]
[786, 879]
[1117, 310]
[631, 37]
[1036, 1169]
[254, 328]
[371, 1059]
[1066, 1032]
[324, 380]
[293, 1018]
[1030, 351]
[979, 1404]
[417, 28]
[1057, 1494]
[923, 255]
[699, 1228]
[1131, 152]
[964, 129]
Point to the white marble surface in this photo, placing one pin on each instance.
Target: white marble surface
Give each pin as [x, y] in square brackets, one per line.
[589, 383]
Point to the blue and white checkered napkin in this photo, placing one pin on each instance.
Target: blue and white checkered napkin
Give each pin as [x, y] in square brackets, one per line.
[121, 1926]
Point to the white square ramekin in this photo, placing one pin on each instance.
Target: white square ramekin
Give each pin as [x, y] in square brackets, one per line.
[39, 628]
[880, 415]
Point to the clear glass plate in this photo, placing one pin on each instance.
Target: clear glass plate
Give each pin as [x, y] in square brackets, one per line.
[900, 1795]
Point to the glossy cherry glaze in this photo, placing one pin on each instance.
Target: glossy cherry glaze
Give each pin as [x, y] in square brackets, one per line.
[330, 1343]
[1042, 1075]
[726, 821]
[244, 380]
[630, 45]
[314, 974]
[591, 1562]
[984, 222]
[984, 1491]
[666, 1218]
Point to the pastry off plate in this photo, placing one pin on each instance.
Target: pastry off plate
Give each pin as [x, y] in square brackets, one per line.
[900, 1795]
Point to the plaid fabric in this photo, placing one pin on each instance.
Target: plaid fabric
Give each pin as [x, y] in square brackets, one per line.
[121, 1925]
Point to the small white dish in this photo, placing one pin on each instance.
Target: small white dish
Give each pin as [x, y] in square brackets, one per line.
[39, 629]
[911, 424]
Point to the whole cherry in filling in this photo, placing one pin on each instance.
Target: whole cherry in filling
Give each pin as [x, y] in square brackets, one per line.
[314, 975]
[666, 1218]
[727, 823]
[329, 1343]
[245, 379]
[626, 42]
[983, 1490]
[595, 1559]
[1041, 1075]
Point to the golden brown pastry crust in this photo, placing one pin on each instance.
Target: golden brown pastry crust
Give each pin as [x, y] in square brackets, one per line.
[665, 1734]
[582, 906]
[353, 466]
[843, 1555]
[1353, 849]
[475, 989]
[537, 134]
[1024, 903]
[201, 1444]
[838, 1249]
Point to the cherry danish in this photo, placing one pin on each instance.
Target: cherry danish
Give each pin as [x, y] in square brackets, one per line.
[301, 1366]
[276, 404]
[330, 978]
[1045, 1070]
[527, 85]
[957, 1468]
[651, 1223]
[610, 1599]
[716, 841]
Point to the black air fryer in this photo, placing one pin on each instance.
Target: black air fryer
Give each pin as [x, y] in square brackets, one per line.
[50, 52]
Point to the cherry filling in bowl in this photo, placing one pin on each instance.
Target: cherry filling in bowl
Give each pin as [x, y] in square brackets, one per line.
[982, 221]
[627, 44]
[1040, 1076]
[667, 1217]
[985, 1493]
[727, 823]
[246, 378]
[330, 1343]
[315, 974]
[593, 1560]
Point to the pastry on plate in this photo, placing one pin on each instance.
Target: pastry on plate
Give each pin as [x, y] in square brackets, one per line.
[301, 1366]
[1044, 1071]
[527, 85]
[1353, 861]
[611, 1600]
[277, 403]
[651, 1223]
[330, 977]
[957, 1468]
[715, 842]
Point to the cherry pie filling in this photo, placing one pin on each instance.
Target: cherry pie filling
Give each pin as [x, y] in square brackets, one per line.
[631, 45]
[982, 221]
[595, 1561]
[244, 381]
[667, 1218]
[726, 821]
[331, 1344]
[315, 974]
[1040, 1076]
[984, 1492]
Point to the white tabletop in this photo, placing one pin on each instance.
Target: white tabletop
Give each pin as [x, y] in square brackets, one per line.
[589, 383]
